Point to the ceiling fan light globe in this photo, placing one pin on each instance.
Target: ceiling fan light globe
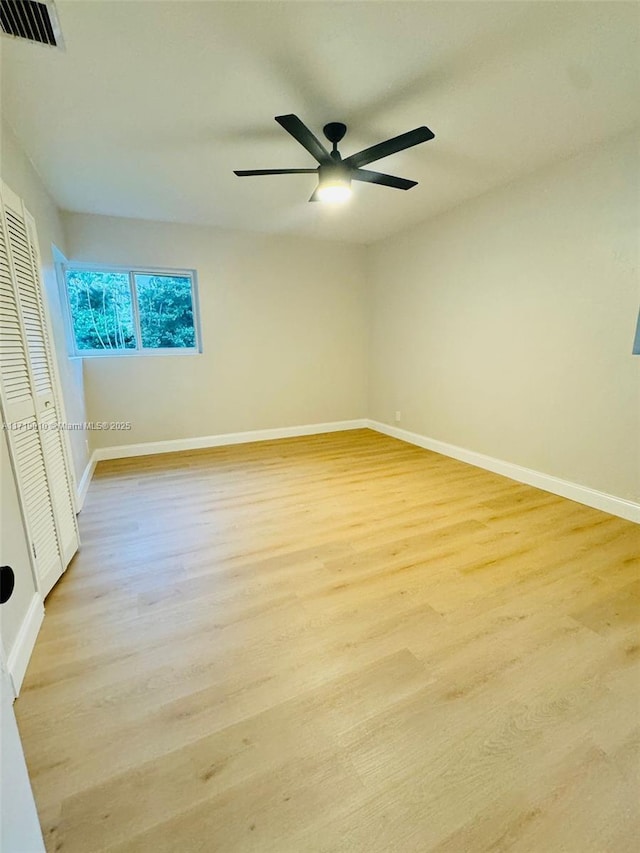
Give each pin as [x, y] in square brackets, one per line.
[334, 193]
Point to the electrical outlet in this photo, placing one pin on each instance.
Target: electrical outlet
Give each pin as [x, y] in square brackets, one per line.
[398, 417]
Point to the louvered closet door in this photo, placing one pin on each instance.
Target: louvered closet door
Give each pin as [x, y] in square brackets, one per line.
[48, 402]
[30, 401]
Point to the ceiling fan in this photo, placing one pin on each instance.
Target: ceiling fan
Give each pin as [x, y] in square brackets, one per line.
[334, 173]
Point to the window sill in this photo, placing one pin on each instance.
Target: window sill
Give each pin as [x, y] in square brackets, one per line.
[137, 354]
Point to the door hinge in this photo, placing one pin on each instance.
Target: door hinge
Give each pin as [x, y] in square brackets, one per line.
[33, 548]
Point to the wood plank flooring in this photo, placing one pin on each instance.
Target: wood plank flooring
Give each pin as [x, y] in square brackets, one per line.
[337, 643]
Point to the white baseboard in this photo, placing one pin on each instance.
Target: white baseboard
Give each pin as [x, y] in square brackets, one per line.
[20, 653]
[122, 451]
[85, 480]
[565, 488]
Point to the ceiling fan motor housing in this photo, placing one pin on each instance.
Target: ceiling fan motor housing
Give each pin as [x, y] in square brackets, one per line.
[334, 131]
[334, 173]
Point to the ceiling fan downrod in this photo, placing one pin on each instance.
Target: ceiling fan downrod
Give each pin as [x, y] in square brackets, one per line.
[335, 131]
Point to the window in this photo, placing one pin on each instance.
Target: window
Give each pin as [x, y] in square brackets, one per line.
[131, 311]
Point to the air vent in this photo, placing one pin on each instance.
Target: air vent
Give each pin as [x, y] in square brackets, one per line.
[25, 19]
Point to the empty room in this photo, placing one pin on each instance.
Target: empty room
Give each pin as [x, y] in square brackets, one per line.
[320, 386]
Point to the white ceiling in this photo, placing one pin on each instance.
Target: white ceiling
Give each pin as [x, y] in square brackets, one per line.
[153, 104]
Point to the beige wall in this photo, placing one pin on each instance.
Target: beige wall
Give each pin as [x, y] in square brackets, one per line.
[506, 325]
[283, 324]
[18, 173]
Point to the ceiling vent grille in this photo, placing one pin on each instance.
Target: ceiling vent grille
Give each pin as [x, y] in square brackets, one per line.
[26, 19]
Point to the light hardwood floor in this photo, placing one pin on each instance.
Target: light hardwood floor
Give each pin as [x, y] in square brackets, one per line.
[337, 643]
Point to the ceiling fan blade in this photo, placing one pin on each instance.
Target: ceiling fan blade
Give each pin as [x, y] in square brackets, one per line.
[380, 178]
[244, 173]
[314, 195]
[389, 146]
[301, 132]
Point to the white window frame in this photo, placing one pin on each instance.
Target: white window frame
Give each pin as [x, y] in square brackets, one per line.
[65, 266]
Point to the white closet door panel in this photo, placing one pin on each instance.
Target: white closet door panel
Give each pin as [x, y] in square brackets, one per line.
[51, 438]
[43, 367]
[34, 490]
[14, 371]
[30, 302]
[53, 441]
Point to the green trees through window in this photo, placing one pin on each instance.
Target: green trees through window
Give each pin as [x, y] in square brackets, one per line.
[101, 310]
[114, 310]
[166, 311]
